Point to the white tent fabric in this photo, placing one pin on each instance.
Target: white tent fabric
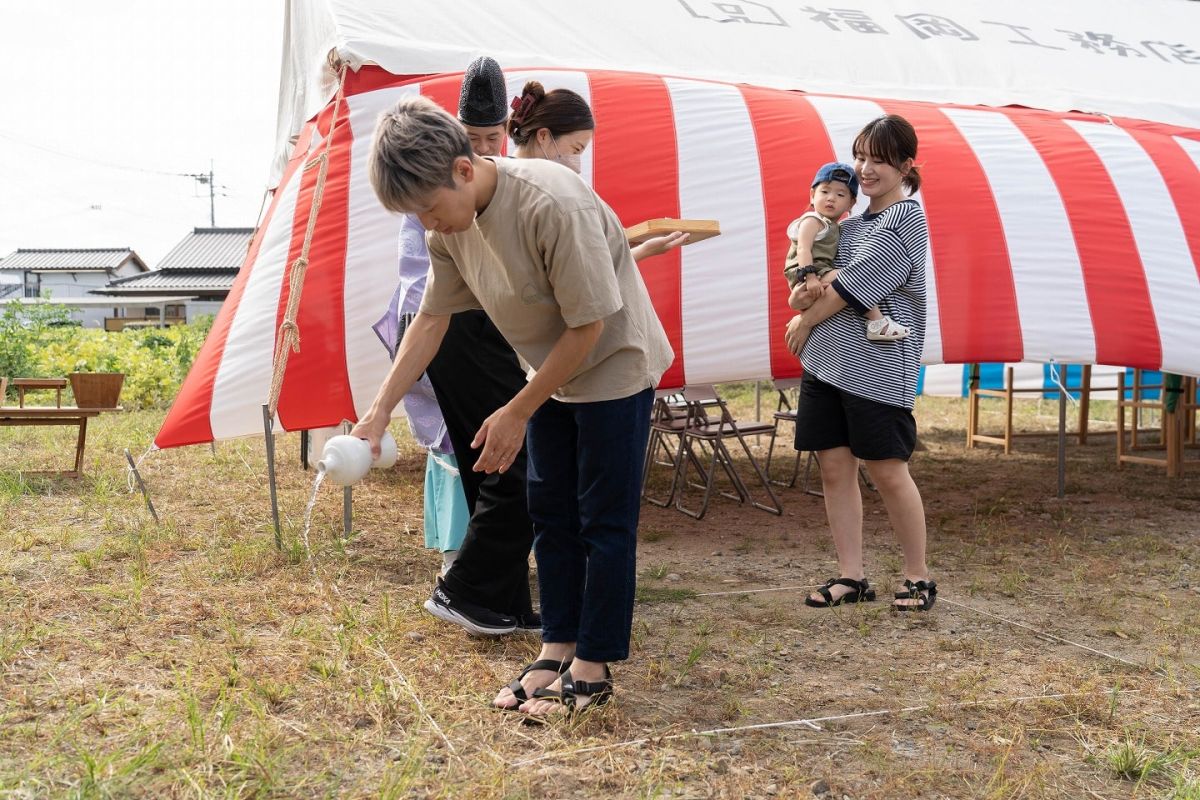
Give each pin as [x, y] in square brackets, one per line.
[1104, 56]
[1065, 236]
[1052, 236]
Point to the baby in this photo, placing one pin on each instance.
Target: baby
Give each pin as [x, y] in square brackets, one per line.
[814, 237]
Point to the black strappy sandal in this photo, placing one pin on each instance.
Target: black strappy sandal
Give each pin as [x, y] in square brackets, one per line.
[518, 690]
[924, 592]
[599, 692]
[859, 592]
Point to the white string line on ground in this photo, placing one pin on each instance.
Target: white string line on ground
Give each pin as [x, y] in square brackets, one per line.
[812, 722]
[1014, 623]
[416, 699]
[755, 591]
[983, 613]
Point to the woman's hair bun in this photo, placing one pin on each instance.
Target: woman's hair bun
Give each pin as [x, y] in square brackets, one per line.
[560, 111]
[535, 89]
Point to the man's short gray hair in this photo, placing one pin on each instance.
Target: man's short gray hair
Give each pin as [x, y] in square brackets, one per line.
[415, 146]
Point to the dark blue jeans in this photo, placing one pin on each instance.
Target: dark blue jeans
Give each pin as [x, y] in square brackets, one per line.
[585, 474]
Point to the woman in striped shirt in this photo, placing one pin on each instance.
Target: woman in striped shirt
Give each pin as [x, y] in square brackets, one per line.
[857, 396]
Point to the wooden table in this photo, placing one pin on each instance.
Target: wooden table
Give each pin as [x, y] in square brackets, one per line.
[23, 385]
[43, 415]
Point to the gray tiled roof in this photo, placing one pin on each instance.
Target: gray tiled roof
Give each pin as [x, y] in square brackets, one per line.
[179, 281]
[209, 248]
[71, 260]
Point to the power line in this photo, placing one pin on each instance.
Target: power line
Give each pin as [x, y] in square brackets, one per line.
[96, 161]
[203, 178]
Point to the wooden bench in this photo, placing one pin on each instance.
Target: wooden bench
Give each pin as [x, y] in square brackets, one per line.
[1008, 393]
[1177, 428]
[23, 385]
[21, 416]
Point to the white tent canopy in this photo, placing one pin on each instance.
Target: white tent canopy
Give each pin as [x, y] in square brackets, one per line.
[1053, 235]
[1083, 55]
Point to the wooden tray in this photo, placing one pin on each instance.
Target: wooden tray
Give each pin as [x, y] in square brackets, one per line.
[700, 229]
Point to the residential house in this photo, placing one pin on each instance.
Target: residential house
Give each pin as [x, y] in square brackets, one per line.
[203, 265]
[67, 273]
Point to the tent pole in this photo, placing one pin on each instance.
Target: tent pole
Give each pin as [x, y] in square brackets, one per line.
[270, 439]
[347, 499]
[1062, 443]
[141, 484]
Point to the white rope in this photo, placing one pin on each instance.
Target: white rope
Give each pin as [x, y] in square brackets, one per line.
[981, 612]
[246, 464]
[1102, 115]
[444, 464]
[812, 722]
[756, 591]
[1032, 629]
[1054, 378]
[416, 699]
[130, 480]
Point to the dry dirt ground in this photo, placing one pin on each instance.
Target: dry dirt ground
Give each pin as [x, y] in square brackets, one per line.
[192, 659]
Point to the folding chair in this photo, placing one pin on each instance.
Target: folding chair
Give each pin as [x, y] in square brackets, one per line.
[669, 417]
[708, 428]
[785, 411]
[812, 457]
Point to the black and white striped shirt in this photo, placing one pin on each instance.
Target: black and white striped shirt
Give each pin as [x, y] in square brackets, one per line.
[882, 262]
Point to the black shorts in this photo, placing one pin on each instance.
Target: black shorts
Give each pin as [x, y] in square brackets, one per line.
[828, 417]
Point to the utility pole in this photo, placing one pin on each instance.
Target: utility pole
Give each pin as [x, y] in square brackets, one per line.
[207, 178]
[212, 203]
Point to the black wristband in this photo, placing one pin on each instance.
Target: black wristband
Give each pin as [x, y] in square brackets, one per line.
[806, 271]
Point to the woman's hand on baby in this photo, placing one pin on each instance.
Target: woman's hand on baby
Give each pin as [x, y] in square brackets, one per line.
[796, 335]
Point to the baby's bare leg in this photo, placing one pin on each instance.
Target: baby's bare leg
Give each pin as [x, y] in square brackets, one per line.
[873, 313]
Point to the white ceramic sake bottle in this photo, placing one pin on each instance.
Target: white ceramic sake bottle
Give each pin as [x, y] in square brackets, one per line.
[388, 452]
[346, 459]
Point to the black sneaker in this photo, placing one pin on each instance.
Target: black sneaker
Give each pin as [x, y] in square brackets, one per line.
[475, 619]
[529, 623]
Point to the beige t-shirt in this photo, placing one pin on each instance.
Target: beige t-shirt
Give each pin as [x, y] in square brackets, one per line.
[547, 254]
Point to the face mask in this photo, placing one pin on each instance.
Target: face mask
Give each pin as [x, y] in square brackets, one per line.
[572, 161]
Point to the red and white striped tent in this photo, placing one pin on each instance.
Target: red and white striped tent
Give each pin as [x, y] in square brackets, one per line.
[1054, 235]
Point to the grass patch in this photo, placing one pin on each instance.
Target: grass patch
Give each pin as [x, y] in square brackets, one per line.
[1132, 759]
[192, 658]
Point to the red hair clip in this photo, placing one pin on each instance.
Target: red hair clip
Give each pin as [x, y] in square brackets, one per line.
[520, 107]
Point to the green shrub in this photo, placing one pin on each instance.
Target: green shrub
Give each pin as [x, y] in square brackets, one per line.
[23, 331]
[33, 342]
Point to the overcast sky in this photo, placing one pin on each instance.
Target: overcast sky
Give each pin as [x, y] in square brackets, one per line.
[101, 98]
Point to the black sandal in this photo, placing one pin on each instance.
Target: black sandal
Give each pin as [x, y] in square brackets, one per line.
[518, 690]
[924, 592]
[600, 692]
[859, 592]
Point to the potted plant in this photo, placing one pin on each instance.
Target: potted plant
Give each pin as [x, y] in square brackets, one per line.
[96, 389]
